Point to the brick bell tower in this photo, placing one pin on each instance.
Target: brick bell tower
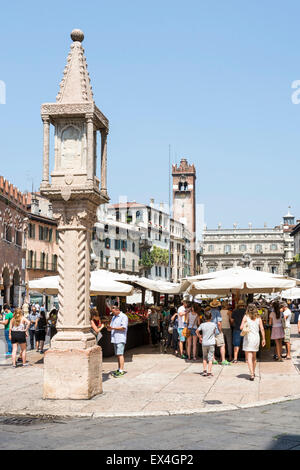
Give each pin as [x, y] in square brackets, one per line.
[184, 202]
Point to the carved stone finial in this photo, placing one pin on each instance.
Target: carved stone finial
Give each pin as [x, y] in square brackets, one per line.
[77, 35]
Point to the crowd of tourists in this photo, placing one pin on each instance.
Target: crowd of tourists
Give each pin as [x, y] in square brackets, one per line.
[214, 330]
[218, 330]
[27, 323]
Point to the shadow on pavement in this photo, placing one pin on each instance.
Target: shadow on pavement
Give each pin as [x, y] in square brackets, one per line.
[286, 442]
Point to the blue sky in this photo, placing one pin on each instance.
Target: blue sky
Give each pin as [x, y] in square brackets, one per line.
[210, 78]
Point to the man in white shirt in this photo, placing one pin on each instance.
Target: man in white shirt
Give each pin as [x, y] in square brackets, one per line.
[287, 314]
[118, 328]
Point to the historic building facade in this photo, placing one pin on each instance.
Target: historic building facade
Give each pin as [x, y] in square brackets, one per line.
[224, 248]
[13, 224]
[141, 239]
[42, 240]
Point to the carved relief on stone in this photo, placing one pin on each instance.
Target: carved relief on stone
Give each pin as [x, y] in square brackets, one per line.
[70, 220]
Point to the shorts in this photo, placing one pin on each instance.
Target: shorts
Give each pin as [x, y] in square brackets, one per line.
[193, 331]
[181, 337]
[287, 335]
[18, 337]
[236, 338]
[220, 340]
[119, 349]
[40, 335]
[208, 353]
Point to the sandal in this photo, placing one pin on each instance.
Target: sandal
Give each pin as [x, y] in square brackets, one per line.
[234, 361]
[210, 374]
[252, 378]
[204, 373]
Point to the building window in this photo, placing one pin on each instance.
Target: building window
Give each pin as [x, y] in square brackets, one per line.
[116, 263]
[156, 271]
[123, 263]
[166, 273]
[117, 215]
[7, 233]
[133, 265]
[133, 247]
[124, 245]
[107, 243]
[129, 218]
[243, 247]
[159, 271]
[43, 260]
[18, 238]
[258, 249]
[210, 248]
[274, 269]
[54, 263]
[117, 230]
[138, 216]
[94, 232]
[105, 228]
[31, 231]
[273, 247]
[101, 259]
[117, 244]
[30, 259]
[57, 236]
[258, 268]
[227, 249]
[106, 262]
[50, 234]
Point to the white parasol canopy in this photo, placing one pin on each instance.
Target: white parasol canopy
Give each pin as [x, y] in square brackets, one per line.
[291, 294]
[100, 285]
[244, 280]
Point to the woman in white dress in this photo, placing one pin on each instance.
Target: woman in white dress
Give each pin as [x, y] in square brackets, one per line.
[252, 339]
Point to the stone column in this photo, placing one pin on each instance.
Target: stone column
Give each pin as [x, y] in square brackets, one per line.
[46, 122]
[73, 355]
[104, 161]
[90, 149]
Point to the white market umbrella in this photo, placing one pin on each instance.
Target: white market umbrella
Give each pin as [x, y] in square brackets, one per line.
[243, 280]
[234, 271]
[100, 285]
[291, 294]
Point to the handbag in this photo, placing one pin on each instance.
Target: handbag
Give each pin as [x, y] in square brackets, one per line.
[246, 329]
[170, 329]
[98, 336]
[186, 332]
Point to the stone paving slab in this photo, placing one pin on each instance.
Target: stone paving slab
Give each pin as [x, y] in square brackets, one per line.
[156, 385]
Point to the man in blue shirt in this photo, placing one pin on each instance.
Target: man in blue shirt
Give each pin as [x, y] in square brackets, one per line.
[118, 328]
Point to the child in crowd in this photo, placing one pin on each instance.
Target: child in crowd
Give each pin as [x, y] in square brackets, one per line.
[206, 334]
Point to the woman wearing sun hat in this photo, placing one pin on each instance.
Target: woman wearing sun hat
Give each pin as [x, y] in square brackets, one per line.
[220, 340]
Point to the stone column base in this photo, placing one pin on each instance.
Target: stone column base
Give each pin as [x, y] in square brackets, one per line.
[74, 374]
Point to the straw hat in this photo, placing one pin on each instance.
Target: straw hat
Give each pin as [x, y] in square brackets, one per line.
[241, 303]
[215, 303]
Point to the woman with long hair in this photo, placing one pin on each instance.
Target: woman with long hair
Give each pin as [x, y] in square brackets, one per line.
[193, 318]
[252, 339]
[96, 324]
[40, 331]
[277, 330]
[18, 330]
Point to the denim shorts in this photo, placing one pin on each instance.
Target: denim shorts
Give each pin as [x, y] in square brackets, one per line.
[236, 338]
[193, 331]
[119, 349]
